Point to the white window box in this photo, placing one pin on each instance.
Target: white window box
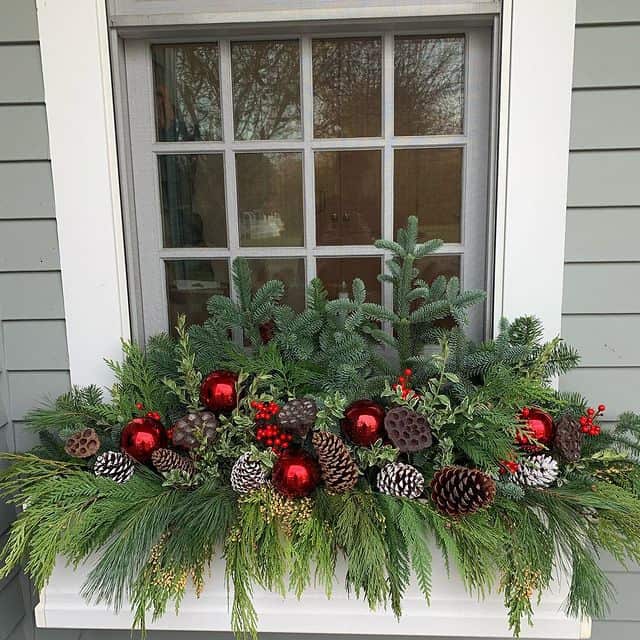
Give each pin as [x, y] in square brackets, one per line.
[452, 611]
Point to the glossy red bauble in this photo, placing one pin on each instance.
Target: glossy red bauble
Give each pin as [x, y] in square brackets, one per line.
[363, 422]
[295, 474]
[141, 437]
[218, 391]
[539, 427]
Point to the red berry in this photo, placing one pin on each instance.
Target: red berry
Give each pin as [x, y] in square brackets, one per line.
[591, 412]
[269, 442]
[408, 372]
[584, 429]
[139, 406]
[285, 445]
[583, 420]
[601, 408]
[525, 412]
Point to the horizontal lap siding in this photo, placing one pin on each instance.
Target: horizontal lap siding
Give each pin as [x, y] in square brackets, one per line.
[33, 348]
[601, 308]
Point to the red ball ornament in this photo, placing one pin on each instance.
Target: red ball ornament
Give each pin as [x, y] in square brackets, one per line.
[363, 422]
[538, 427]
[295, 474]
[218, 391]
[141, 437]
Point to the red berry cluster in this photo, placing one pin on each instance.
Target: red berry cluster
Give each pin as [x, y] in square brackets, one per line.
[272, 436]
[403, 383]
[265, 410]
[508, 466]
[150, 414]
[587, 424]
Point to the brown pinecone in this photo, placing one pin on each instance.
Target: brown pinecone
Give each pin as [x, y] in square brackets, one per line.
[194, 428]
[459, 491]
[82, 444]
[165, 460]
[339, 471]
[408, 430]
[298, 416]
[568, 439]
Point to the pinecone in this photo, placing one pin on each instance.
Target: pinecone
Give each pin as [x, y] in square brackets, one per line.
[247, 475]
[537, 471]
[195, 427]
[339, 471]
[115, 465]
[400, 480]
[568, 439]
[408, 430]
[459, 491]
[298, 416]
[165, 460]
[82, 444]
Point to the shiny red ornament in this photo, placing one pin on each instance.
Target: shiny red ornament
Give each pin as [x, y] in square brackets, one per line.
[538, 427]
[141, 437]
[295, 474]
[363, 422]
[218, 391]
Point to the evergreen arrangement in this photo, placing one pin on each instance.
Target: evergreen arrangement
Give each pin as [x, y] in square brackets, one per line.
[347, 430]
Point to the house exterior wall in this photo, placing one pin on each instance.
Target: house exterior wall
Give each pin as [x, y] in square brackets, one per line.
[601, 314]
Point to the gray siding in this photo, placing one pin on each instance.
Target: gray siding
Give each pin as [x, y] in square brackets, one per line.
[601, 310]
[33, 347]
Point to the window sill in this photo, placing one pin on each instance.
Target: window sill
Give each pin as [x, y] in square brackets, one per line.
[452, 611]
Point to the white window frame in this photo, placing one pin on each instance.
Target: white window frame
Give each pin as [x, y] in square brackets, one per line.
[534, 62]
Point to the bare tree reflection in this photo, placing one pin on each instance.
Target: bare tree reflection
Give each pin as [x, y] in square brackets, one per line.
[266, 90]
[347, 87]
[429, 81]
[187, 92]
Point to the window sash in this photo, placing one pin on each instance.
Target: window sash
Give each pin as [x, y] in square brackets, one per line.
[144, 151]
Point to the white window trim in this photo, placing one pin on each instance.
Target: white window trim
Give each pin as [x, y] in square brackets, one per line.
[535, 63]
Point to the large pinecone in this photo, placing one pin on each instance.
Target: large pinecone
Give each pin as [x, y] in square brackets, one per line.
[115, 465]
[298, 416]
[408, 430]
[339, 471]
[166, 460]
[568, 439]
[458, 491]
[247, 475]
[194, 428]
[82, 444]
[400, 480]
[536, 471]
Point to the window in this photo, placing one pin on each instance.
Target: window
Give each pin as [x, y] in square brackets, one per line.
[298, 151]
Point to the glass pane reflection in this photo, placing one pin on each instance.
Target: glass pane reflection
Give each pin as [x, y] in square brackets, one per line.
[429, 85]
[347, 87]
[428, 184]
[338, 274]
[266, 89]
[270, 203]
[192, 200]
[190, 283]
[291, 271]
[187, 92]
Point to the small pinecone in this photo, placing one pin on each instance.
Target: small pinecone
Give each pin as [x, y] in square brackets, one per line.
[537, 471]
[459, 491]
[568, 439]
[408, 430]
[247, 475]
[267, 331]
[339, 471]
[115, 465]
[400, 480]
[165, 460]
[186, 430]
[82, 444]
[298, 416]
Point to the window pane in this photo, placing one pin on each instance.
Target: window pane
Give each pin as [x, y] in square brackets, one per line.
[338, 274]
[187, 92]
[291, 271]
[192, 200]
[270, 203]
[348, 195]
[190, 283]
[266, 90]
[429, 85]
[428, 184]
[347, 93]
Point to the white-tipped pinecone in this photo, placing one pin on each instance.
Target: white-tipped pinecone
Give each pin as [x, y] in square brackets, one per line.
[115, 465]
[400, 480]
[247, 475]
[536, 471]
